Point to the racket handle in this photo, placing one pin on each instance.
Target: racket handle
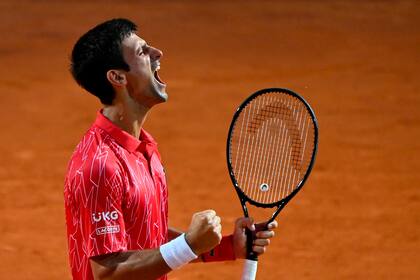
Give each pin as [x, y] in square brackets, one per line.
[250, 237]
[250, 270]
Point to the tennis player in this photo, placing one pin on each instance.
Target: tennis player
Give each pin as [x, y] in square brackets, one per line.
[116, 197]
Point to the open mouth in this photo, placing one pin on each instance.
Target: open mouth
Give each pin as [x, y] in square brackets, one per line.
[155, 69]
[156, 75]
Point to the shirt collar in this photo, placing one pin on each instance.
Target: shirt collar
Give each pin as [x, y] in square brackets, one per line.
[126, 140]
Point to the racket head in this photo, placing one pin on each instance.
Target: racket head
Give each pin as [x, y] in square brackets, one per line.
[271, 147]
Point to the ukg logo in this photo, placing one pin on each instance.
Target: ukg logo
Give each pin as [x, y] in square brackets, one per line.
[104, 216]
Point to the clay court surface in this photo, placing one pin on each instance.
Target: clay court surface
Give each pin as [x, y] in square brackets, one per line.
[357, 63]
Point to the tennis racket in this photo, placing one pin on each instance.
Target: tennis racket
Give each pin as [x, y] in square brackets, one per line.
[271, 148]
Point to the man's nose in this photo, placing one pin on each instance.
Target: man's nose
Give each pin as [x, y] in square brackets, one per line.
[156, 53]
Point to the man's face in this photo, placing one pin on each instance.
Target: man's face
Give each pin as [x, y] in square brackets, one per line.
[143, 82]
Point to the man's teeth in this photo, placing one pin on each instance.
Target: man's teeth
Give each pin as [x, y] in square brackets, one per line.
[157, 68]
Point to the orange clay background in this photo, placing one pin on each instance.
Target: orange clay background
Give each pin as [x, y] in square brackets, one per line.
[356, 62]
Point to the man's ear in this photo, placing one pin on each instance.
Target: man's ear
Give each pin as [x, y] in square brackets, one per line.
[116, 78]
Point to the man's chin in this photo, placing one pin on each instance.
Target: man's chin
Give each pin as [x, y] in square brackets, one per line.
[158, 94]
[162, 96]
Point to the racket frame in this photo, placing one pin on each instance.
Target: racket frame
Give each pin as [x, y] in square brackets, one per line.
[242, 196]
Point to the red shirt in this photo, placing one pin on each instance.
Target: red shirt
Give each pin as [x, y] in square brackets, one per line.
[115, 196]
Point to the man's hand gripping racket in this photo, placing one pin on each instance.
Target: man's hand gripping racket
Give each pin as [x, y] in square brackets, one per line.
[271, 148]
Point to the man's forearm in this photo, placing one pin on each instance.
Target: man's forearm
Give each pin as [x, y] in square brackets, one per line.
[173, 233]
[146, 264]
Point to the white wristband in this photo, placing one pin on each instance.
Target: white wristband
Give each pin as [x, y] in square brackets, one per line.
[177, 252]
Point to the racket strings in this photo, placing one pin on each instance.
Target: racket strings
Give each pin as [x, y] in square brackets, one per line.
[271, 145]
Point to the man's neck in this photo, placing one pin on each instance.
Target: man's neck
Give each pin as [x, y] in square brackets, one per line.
[128, 118]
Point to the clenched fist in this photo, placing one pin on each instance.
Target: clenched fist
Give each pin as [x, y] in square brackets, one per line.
[205, 231]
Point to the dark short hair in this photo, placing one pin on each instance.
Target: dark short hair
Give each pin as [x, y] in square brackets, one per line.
[97, 52]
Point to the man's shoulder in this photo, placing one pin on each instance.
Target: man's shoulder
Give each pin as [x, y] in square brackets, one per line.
[95, 140]
[95, 152]
[93, 167]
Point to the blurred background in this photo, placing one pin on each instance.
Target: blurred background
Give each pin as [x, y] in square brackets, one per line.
[356, 62]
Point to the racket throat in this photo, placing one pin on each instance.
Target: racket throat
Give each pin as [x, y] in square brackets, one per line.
[244, 208]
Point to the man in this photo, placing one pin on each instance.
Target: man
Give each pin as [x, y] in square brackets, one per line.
[115, 188]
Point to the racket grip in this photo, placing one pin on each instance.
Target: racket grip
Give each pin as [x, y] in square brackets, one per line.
[250, 237]
[250, 270]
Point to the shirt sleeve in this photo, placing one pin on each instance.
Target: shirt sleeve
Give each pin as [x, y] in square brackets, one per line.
[98, 191]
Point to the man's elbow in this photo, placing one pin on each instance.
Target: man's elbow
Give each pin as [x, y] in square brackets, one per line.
[102, 269]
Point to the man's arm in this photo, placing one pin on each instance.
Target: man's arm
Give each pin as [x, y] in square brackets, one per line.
[223, 251]
[173, 233]
[203, 234]
[148, 264]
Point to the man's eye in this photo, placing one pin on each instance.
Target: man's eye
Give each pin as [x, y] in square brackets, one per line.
[144, 50]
